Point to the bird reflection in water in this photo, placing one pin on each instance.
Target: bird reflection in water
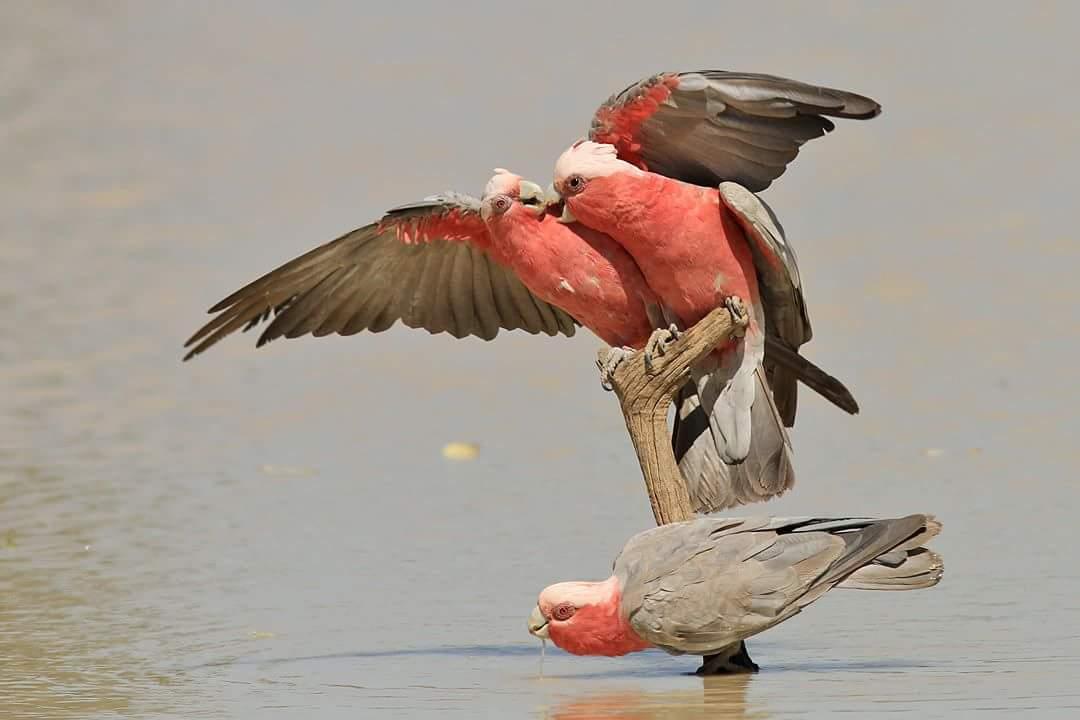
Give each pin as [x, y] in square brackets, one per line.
[719, 697]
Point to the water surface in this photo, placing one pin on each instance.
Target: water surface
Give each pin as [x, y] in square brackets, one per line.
[276, 534]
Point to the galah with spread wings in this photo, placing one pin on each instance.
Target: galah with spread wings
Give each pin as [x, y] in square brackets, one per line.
[440, 264]
[702, 587]
[451, 263]
[707, 129]
[455, 264]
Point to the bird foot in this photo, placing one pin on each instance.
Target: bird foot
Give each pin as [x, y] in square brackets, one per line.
[658, 344]
[732, 659]
[739, 314]
[609, 361]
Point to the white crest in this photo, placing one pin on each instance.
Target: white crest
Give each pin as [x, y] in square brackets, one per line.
[503, 181]
[577, 594]
[590, 159]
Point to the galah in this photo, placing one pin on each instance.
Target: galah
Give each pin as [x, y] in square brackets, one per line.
[452, 263]
[432, 264]
[698, 248]
[704, 586]
[738, 131]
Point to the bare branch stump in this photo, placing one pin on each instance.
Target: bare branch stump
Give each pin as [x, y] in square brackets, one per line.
[645, 396]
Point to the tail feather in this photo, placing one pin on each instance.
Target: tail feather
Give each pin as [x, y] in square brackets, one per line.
[787, 365]
[909, 566]
[785, 387]
[868, 551]
[919, 568]
[714, 485]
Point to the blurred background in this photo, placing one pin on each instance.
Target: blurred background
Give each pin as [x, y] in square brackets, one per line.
[277, 533]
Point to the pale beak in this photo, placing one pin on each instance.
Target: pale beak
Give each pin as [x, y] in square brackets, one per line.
[551, 195]
[538, 624]
[531, 191]
[567, 217]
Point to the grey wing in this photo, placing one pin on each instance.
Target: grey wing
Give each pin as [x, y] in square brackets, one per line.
[651, 567]
[423, 264]
[786, 318]
[727, 583]
[709, 126]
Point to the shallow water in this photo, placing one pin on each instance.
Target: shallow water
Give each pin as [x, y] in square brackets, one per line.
[276, 534]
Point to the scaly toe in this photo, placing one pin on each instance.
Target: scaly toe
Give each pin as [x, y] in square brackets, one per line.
[658, 343]
[739, 313]
[609, 363]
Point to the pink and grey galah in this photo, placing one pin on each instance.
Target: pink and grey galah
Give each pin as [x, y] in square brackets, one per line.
[453, 263]
[704, 586]
[669, 171]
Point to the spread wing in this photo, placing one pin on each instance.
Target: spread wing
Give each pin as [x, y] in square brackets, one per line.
[427, 264]
[713, 125]
[701, 585]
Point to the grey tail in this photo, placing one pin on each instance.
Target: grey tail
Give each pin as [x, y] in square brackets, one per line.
[884, 555]
[785, 387]
[713, 485]
[907, 567]
[785, 366]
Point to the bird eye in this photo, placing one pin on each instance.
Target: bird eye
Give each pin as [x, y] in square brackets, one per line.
[563, 612]
[501, 204]
[575, 183]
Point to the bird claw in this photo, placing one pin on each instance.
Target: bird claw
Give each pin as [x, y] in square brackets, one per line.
[739, 314]
[658, 344]
[608, 362]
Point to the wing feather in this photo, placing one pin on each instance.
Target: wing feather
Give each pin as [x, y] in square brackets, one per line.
[425, 264]
[710, 126]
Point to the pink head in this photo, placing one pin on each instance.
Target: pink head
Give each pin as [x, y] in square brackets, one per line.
[581, 170]
[507, 194]
[584, 618]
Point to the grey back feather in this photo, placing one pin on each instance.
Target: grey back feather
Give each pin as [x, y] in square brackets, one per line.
[701, 585]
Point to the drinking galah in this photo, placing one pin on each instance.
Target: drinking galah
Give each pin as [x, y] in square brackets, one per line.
[703, 586]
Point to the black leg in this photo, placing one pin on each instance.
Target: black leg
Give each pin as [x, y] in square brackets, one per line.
[732, 659]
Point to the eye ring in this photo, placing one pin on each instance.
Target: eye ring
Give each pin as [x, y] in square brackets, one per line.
[501, 204]
[575, 183]
[563, 612]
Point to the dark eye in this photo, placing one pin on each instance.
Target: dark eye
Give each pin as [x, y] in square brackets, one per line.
[563, 612]
[575, 183]
[501, 203]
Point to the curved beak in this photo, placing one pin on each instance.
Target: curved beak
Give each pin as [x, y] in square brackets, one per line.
[567, 217]
[532, 196]
[538, 624]
[551, 195]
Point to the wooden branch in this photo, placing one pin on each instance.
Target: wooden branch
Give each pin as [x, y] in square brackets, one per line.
[645, 396]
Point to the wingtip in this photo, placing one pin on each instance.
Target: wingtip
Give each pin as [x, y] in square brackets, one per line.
[860, 107]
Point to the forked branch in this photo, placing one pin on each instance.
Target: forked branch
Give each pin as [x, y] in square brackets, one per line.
[646, 394]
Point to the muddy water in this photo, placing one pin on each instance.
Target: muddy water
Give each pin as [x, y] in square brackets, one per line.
[276, 534]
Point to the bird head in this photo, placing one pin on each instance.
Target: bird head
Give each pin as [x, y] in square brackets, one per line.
[582, 618]
[506, 192]
[579, 166]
